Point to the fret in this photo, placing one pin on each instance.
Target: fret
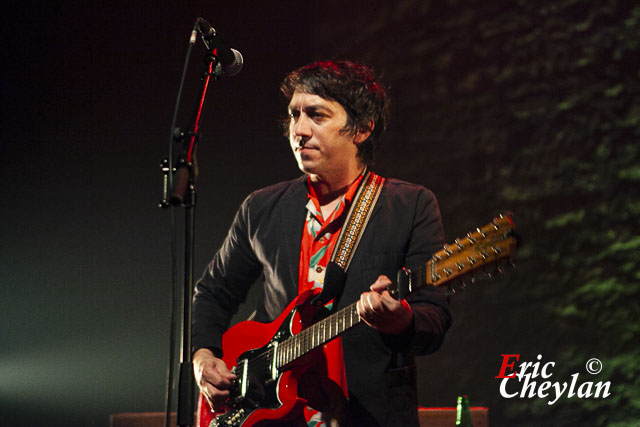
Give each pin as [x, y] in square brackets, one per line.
[334, 326]
[282, 350]
[319, 337]
[314, 338]
[292, 350]
[283, 355]
[278, 357]
[297, 353]
[301, 339]
[316, 335]
[304, 337]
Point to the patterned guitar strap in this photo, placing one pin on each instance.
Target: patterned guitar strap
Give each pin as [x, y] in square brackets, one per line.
[349, 237]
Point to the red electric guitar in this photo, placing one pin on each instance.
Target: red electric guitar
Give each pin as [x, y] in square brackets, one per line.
[270, 358]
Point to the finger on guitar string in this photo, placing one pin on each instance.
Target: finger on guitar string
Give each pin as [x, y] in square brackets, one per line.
[381, 284]
[366, 310]
[378, 309]
[370, 306]
[372, 300]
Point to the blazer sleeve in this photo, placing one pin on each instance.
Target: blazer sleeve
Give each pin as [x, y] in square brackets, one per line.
[431, 315]
[224, 284]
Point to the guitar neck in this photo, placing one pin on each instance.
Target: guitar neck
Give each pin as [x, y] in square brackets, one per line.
[316, 335]
[331, 326]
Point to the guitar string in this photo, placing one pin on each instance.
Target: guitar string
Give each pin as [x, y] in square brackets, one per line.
[311, 337]
[316, 334]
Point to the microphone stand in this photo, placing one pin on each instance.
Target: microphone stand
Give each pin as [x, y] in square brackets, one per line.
[183, 190]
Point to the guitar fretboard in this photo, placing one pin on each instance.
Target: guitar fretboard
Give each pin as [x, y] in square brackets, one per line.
[316, 335]
[330, 327]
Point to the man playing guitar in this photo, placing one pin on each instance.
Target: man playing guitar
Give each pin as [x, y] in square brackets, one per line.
[287, 232]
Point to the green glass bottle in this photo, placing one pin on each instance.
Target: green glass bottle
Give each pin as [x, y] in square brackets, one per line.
[463, 413]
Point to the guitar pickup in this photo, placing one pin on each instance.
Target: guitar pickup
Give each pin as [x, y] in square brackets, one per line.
[239, 385]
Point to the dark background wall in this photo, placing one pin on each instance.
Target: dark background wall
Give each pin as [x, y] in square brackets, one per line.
[526, 106]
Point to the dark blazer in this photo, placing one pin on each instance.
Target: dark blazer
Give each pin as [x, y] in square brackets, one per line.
[404, 230]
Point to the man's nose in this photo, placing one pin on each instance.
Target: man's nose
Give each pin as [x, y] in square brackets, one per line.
[302, 126]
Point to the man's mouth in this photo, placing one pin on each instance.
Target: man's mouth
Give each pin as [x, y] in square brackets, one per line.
[305, 147]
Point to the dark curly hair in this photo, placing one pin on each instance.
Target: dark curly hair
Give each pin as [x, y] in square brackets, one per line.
[354, 87]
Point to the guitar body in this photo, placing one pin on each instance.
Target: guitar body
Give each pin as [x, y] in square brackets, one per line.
[262, 392]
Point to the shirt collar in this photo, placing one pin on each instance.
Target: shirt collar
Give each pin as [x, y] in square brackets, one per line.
[313, 205]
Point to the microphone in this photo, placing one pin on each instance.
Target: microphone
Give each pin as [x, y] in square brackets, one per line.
[230, 59]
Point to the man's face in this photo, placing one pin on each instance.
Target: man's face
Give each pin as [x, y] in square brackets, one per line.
[319, 143]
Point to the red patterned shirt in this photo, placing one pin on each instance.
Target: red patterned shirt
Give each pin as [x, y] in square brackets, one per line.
[319, 237]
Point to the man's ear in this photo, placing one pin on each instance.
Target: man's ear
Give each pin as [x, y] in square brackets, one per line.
[363, 134]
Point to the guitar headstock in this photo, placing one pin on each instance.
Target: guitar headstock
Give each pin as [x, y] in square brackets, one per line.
[478, 252]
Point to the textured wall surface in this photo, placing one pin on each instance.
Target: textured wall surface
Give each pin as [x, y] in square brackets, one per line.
[532, 107]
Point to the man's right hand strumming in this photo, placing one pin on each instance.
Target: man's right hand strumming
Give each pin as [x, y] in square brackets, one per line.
[212, 376]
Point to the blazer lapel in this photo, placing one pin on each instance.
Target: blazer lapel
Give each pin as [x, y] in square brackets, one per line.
[292, 223]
